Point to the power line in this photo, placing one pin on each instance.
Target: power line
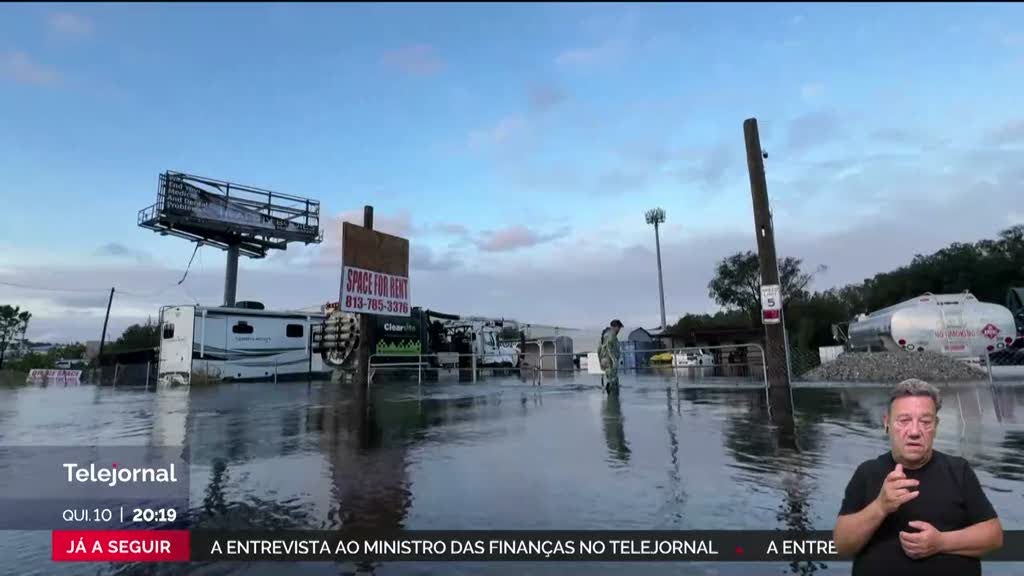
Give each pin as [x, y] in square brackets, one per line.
[51, 289]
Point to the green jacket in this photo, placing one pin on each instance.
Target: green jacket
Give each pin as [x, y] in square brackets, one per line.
[610, 351]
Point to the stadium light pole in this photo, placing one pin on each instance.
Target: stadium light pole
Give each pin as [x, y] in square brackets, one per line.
[656, 216]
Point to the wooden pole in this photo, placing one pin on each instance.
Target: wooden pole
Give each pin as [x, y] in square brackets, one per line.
[103, 337]
[367, 324]
[775, 339]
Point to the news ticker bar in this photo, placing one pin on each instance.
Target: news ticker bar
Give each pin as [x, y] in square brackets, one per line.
[467, 546]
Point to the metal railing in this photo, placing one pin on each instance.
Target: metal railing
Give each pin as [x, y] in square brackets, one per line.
[637, 366]
[754, 360]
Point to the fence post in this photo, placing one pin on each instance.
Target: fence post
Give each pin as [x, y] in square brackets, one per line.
[275, 370]
[473, 364]
[147, 375]
[988, 363]
[116, 367]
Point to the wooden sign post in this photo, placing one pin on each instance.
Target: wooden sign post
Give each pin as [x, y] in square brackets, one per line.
[374, 281]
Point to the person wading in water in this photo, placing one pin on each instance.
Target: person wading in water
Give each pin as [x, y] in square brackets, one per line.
[609, 353]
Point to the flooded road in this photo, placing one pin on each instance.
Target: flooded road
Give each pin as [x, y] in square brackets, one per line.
[503, 454]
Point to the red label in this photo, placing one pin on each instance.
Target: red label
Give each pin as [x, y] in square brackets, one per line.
[120, 546]
[990, 331]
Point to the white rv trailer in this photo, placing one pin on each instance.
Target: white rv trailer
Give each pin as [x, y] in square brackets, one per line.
[221, 343]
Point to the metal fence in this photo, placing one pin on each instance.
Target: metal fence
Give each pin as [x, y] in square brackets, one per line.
[136, 374]
[744, 362]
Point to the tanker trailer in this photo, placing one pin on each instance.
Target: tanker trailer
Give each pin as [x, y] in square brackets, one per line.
[956, 325]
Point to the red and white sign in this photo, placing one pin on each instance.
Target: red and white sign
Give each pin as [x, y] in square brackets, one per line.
[40, 375]
[368, 292]
[771, 304]
[990, 331]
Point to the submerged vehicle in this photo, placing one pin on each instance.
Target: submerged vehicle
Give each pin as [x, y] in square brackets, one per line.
[427, 336]
[956, 325]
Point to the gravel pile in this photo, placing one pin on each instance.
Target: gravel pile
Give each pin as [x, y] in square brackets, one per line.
[894, 367]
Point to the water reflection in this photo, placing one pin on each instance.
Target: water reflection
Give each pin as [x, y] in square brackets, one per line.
[614, 428]
[508, 454]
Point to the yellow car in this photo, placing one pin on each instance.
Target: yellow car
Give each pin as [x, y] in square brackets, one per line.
[663, 358]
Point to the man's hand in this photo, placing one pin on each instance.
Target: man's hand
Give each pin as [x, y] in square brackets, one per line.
[896, 491]
[922, 544]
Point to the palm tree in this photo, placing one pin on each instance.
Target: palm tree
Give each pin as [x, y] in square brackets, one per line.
[13, 323]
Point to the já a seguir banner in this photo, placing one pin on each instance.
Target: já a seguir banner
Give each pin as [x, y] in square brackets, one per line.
[368, 292]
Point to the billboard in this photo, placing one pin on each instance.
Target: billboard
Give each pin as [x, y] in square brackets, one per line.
[185, 201]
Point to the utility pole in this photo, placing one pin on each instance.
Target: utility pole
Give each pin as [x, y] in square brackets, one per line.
[103, 337]
[775, 335]
[367, 325]
[657, 217]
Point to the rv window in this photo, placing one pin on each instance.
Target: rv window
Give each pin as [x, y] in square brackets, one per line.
[293, 331]
[241, 328]
[168, 330]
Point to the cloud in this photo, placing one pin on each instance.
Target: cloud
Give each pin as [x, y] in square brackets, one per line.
[1013, 40]
[70, 24]
[812, 90]
[80, 301]
[1008, 133]
[514, 238]
[452, 229]
[812, 129]
[415, 59]
[544, 98]
[715, 166]
[894, 135]
[23, 69]
[423, 257]
[118, 250]
[506, 130]
[607, 52]
[622, 181]
[617, 36]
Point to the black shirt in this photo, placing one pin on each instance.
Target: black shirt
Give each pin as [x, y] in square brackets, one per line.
[950, 498]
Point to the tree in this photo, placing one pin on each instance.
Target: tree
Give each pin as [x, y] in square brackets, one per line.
[737, 282]
[138, 336]
[71, 351]
[13, 324]
[722, 319]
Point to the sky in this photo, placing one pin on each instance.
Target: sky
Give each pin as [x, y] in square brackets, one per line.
[516, 146]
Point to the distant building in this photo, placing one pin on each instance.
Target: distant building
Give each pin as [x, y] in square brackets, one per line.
[637, 349]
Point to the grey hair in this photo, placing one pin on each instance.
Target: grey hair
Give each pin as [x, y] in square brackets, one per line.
[916, 387]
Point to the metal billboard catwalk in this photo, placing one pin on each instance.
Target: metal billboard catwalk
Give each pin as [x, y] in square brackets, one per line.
[236, 218]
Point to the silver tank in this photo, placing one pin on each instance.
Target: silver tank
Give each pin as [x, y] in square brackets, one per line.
[952, 324]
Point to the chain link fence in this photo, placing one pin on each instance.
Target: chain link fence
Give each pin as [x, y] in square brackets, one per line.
[140, 374]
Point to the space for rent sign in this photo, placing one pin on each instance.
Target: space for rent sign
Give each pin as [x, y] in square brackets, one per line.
[374, 272]
[374, 292]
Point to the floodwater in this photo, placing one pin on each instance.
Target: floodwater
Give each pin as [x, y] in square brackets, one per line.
[504, 454]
